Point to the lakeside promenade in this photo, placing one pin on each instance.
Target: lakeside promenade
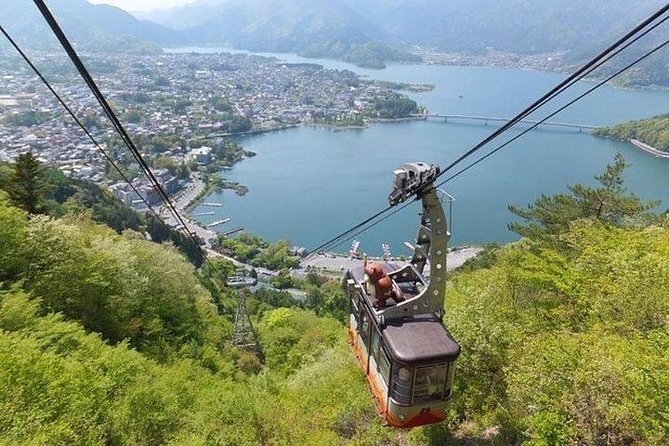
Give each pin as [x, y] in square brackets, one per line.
[336, 263]
[649, 149]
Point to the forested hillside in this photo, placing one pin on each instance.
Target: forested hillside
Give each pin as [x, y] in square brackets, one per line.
[37, 188]
[109, 339]
[92, 27]
[653, 131]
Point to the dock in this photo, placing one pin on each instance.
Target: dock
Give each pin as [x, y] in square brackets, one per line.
[202, 214]
[217, 222]
[233, 231]
[213, 204]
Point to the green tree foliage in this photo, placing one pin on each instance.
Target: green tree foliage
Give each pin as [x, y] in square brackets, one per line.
[132, 116]
[13, 225]
[653, 131]
[367, 55]
[162, 81]
[104, 281]
[267, 299]
[160, 232]
[283, 280]
[290, 337]
[101, 206]
[108, 339]
[181, 105]
[59, 195]
[221, 104]
[244, 247]
[27, 119]
[395, 106]
[609, 203]
[228, 152]
[213, 276]
[239, 124]
[27, 186]
[90, 120]
[564, 342]
[181, 171]
[276, 256]
[59, 385]
[249, 248]
[326, 297]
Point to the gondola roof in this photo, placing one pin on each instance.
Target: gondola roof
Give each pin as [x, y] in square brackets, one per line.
[420, 338]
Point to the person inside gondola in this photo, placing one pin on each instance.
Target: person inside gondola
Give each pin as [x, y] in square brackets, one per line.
[380, 286]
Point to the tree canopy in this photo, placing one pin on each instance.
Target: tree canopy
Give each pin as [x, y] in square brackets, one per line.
[110, 339]
[609, 203]
[653, 131]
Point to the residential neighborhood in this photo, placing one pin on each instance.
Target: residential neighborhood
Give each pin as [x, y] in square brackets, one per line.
[177, 107]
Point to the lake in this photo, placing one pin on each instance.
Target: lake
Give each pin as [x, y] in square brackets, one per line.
[308, 184]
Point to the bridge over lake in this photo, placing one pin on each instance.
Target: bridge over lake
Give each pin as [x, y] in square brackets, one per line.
[487, 119]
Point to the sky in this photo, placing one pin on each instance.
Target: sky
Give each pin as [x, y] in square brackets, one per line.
[143, 5]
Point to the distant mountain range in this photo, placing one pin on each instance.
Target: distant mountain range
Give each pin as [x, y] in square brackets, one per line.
[367, 32]
[91, 27]
[518, 26]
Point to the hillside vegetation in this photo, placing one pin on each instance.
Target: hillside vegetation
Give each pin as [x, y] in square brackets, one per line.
[92, 27]
[368, 33]
[109, 339]
[653, 131]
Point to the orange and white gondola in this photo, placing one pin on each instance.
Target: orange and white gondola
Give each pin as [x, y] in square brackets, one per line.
[395, 322]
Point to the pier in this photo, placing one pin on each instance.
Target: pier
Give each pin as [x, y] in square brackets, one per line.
[217, 222]
[213, 204]
[233, 231]
[487, 119]
[202, 214]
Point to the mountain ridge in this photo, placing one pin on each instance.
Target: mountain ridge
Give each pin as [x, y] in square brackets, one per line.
[90, 27]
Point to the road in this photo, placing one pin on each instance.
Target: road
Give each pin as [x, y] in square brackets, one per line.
[181, 201]
[649, 149]
[336, 264]
[184, 198]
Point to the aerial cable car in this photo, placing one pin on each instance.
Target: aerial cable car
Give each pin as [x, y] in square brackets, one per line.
[396, 315]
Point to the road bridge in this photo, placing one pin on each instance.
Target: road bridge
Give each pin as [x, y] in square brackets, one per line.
[495, 119]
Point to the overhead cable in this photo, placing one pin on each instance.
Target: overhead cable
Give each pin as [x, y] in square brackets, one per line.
[595, 63]
[83, 71]
[76, 119]
[497, 149]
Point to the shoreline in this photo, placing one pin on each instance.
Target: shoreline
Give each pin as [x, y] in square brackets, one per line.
[336, 262]
[368, 123]
[649, 149]
[431, 57]
[250, 132]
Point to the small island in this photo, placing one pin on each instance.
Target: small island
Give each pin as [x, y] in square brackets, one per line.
[650, 135]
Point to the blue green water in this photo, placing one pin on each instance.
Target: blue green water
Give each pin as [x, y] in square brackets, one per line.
[308, 184]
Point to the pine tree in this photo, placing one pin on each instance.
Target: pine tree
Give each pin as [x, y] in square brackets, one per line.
[27, 185]
[609, 203]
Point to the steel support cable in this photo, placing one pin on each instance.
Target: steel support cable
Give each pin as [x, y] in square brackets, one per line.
[578, 98]
[584, 71]
[53, 24]
[574, 77]
[55, 27]
[76, 119]
[497, 149]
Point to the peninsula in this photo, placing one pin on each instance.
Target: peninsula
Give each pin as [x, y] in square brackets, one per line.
[650, 135]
